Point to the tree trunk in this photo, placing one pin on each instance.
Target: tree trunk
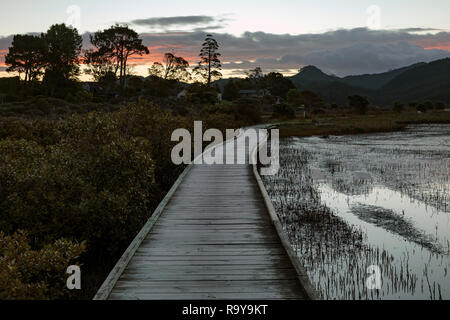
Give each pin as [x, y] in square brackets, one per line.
[209, 67]
[124, 70]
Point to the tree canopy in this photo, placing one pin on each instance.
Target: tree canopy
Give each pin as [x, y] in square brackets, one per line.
[113, 47]
[358, 103]
[26, 55]
[63, 48]
[172, 68]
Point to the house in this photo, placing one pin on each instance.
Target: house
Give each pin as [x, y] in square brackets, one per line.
[252, 93]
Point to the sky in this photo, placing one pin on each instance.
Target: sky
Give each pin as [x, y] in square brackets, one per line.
[341, 37]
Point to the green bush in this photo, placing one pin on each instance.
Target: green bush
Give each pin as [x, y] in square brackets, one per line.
[283, 111]
[35, 274]
[94, 185]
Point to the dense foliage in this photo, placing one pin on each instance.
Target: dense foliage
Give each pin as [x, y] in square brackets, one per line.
[94, 177]
[34, 274]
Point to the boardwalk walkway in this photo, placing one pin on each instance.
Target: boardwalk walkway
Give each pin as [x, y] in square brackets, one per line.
[214, 239]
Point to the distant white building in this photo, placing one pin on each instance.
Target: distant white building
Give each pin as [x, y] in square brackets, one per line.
[182, 94]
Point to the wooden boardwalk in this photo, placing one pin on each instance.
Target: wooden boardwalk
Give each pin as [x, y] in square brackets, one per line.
[212, 239]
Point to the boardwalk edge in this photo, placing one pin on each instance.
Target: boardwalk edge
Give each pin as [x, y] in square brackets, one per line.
[303, 278]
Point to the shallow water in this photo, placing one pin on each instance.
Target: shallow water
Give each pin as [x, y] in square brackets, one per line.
[402, 178]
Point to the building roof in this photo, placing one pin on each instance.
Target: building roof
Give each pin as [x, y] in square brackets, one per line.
[248, 91]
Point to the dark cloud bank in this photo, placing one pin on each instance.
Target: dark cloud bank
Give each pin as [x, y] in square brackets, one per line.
[342, 52]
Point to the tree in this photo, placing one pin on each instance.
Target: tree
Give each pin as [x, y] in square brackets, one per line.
[172, 68]
[295, 97]
[398, 107]
[283, 111]
[358, 103]
[156, 70]
[255, 73]
[209, 66]
[277, 84]
[26, 55]
[231, 91]
[201, 94]
[98, 66]
[114, 46]
[311, 99]
[62, 52]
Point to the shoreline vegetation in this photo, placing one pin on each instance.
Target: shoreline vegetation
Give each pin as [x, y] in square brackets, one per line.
[345, 123]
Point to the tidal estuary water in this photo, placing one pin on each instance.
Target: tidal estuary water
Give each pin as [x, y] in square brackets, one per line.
[383, 200]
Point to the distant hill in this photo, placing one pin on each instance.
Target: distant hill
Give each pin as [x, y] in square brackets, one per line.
[429, 81]
[421, 81]
[311, 75]
[376, 81]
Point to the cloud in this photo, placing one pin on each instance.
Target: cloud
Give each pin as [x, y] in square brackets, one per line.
[366, 58]
[343, 51]
[173, 21]
[419, 30]
[182, 23]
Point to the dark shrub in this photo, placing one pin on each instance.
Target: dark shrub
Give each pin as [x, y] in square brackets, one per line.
[283, 110]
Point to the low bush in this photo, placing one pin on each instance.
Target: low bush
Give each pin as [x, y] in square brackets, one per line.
[283, 111]
[34, 274]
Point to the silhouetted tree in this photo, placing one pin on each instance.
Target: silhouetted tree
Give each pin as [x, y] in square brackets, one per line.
[256, 73]
[209, 66]
[283, 111]
[114, 46]
[277, 84]
[295, 97]
[231, 91]
[358, 103]
[311, 99]
[99, 66]
[172, 68]
[201, 94]
[63, 51]
[26, 55]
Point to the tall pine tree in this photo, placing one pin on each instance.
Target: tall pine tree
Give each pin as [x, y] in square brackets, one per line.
[209, 66]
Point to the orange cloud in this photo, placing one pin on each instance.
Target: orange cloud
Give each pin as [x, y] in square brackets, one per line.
[439, 47]
[157, 55]
[2, 57]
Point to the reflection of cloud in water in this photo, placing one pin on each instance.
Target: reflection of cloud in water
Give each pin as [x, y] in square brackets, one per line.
[395, 223]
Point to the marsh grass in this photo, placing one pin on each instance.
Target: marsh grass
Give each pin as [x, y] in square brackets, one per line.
[340, 123]
[336, 254]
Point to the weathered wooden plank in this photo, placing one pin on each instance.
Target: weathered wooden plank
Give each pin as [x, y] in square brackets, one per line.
[129, 295]
[214, 239]
[211, 276]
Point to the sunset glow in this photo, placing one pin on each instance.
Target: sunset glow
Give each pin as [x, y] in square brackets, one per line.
[297, 34]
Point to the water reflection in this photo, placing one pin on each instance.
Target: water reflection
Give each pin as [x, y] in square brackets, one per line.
[392, 188]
